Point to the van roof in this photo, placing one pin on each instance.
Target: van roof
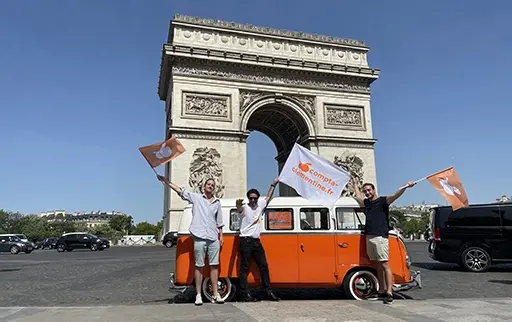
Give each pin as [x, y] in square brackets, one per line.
[478, 205]
[292, 201]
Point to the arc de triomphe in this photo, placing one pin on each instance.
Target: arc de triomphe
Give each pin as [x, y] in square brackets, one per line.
[221, 80]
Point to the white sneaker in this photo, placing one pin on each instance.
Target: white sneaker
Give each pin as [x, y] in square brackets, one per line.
[199, 300]
[218, 299]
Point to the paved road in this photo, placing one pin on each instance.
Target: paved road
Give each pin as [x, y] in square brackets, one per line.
[138, 275]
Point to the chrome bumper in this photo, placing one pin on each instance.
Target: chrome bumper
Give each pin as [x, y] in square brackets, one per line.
[173, 286]
[415, 283]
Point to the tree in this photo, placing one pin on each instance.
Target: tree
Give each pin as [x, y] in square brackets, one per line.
[105, 230]
[145, 228]
[121, 223]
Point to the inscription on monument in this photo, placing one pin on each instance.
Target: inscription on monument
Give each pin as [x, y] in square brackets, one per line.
[206, 165]
[206, 105]
[344, 116]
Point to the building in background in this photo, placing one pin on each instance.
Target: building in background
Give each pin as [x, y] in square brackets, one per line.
[414, 211]
[91, 219]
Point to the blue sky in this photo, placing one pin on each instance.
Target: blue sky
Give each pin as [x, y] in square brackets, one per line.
[78, 83]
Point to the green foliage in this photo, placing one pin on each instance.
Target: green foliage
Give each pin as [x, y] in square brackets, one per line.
[410, 226]
[37, 228]
[121, 223]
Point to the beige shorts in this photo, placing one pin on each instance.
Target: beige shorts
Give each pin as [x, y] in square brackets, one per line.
[377, 248]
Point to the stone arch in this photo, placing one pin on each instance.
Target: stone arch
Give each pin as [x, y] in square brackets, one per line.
[287, 118]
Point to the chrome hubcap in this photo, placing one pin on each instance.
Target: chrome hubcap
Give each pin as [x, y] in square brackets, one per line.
[364, 285]
[476, 259]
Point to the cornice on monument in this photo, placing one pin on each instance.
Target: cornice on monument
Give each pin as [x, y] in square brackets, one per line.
[346, 142]
[354, 81]
[207, 134]
[267, 31]
[269, 61]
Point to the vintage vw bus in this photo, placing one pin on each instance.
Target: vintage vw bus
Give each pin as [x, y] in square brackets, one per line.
[307, 245]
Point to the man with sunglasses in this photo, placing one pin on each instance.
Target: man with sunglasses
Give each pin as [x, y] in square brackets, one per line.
[250, 245]
[377, 233]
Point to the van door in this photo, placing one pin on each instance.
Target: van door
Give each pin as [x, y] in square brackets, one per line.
[350, 241]
[280, 243]
[477, 224]
[506, 217]
[317, 257]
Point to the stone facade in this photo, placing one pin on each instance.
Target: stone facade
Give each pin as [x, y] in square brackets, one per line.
[220, 80]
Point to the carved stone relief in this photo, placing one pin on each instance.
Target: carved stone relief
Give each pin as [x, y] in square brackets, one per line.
[247, 97]
[206, 165]
[348, 83]
[217, 106]
[353, 164]
[344, 116]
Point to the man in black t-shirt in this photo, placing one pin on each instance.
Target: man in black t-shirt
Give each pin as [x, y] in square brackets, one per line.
[377, 232]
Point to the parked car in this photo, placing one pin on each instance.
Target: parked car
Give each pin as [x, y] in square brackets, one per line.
[474, 237]
[170, 239]
[49, 243]
[81, 240]
[13, 244]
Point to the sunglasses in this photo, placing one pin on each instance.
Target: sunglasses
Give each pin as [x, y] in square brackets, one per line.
[253, 199]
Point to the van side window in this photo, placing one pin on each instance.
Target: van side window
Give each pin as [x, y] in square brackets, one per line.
[349, 218]
[279, 219]
[475, 216]
[234, 220]
[314, 219]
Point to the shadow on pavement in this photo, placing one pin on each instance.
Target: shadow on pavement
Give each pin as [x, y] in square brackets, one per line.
[297, 294]
[436, 266]
[10, 270]
[506, 282]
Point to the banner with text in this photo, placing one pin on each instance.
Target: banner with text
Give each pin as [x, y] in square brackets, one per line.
[313, 177]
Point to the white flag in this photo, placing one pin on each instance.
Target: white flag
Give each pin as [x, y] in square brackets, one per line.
[313, 177]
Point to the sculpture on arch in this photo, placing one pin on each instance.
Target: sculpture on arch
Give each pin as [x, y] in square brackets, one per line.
[354, 165]
[206, 165]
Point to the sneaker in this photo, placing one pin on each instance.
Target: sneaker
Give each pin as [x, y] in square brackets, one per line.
[199, 300]
[376, 296]
[388, 299]
[217, 299]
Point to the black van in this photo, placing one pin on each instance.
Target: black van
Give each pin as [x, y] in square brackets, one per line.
[474, 237]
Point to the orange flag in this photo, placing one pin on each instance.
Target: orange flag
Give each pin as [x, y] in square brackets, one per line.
[163, 152]
[448, 183]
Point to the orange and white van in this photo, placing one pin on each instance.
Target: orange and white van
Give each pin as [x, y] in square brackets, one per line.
[306, 244]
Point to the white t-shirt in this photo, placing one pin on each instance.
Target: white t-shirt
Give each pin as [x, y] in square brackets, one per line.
[247, 226]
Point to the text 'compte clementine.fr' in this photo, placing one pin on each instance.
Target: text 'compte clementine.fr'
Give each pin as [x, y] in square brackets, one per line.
[314, 178]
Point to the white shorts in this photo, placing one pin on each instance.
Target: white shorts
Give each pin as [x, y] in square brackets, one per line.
[203, 247]
[377, 248]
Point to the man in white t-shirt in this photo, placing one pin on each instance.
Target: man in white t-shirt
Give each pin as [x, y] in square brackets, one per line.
[250, 245]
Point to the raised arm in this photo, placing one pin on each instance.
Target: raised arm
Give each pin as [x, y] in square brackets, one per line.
[357, 191]
[271, 190]
[400, 192]
[171, 185]
[240, 207]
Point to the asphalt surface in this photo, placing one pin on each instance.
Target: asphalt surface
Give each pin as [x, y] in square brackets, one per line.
[139, 275]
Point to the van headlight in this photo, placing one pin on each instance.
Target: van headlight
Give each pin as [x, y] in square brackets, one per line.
[408, 261]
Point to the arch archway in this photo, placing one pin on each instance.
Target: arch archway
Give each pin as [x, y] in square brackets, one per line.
[222, 80]
[283, 120]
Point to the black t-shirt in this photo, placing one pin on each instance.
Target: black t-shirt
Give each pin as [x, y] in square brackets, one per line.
[377, 217]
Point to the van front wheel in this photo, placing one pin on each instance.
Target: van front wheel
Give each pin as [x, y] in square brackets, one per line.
[226, 289]
[361, 284]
